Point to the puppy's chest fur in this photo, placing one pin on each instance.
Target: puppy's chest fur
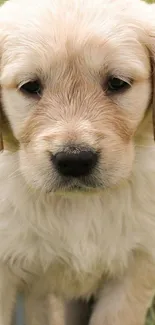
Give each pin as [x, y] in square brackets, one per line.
[56, 246]
[68, 244]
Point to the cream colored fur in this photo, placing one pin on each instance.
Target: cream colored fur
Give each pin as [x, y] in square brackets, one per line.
[98, 241]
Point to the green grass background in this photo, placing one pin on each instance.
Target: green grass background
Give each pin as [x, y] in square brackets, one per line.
[150, 320]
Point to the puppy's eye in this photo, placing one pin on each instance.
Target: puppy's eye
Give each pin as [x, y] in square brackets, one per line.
[115, 84]
[32, 88]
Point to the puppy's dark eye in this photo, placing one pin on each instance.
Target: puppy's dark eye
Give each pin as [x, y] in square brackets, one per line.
[32, 88]
[116, 84]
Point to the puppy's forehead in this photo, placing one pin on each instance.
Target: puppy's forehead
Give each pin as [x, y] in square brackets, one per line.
[44, 33]
[53, 22]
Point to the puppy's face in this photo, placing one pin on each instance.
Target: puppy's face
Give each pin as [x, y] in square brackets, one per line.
[75, 87]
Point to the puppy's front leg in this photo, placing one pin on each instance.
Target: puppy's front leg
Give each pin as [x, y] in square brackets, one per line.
[36, 310]
[8, 290]
[125, 301]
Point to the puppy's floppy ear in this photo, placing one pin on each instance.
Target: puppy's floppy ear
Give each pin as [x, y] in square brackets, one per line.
[7, 138]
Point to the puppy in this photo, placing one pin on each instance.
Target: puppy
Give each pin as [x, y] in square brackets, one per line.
[77, 173]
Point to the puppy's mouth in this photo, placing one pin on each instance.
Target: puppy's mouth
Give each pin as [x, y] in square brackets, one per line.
[77, 186]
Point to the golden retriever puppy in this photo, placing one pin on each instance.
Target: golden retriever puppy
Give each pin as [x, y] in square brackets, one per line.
[77, 173]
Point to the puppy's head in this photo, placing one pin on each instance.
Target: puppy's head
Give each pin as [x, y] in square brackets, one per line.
[76, 83]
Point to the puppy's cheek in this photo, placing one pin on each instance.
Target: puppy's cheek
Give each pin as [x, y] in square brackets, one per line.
[116, 162]
[36, 167]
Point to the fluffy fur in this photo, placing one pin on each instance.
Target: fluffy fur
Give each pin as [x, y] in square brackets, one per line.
[80, 237]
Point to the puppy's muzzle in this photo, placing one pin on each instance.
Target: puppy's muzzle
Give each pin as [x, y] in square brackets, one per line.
[75, 162]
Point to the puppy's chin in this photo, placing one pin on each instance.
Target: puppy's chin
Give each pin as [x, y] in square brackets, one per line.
[74, 191]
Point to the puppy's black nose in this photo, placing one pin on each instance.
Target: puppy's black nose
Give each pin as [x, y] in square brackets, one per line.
[75, 164]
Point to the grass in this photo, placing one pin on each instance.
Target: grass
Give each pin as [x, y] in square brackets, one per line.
[150, 320]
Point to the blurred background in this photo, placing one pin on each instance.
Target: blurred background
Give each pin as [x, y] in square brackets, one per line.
[19, 313]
